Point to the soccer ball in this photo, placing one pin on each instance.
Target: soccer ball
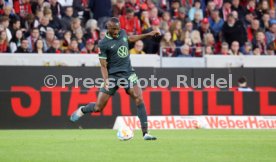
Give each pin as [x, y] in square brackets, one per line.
[125, 133]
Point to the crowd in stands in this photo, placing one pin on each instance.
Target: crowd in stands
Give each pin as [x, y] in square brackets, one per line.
[189, 28]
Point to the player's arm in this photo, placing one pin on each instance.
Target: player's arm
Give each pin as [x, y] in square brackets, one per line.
[104, 72]
[103, 62]
[134, 38]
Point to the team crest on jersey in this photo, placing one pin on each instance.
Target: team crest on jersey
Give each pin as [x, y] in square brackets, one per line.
[125, 39]
[122, 51]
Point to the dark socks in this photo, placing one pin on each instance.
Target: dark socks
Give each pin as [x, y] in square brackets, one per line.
[89, 108]
[141, 112]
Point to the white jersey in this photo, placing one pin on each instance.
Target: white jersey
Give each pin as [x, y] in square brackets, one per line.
[245, 89]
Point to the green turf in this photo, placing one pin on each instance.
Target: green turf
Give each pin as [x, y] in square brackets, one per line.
[172, 146]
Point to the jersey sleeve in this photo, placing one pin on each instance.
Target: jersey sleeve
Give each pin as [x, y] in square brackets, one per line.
[102, 53]
[124, 33]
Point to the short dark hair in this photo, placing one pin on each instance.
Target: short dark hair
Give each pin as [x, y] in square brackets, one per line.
[114, 20]
[242, 80]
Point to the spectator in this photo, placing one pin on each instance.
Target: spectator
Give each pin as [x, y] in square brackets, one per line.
[210, 7]
[138, 48]
[33, 38]
[55, 47]
[247, 50]
[44, 24]
[100, 14]
[175, 5]
[204, 28]
[218, 4]
[233, 30]
[235, 14]
[185, 51]
[197, 20]
[23, 47]
[164, 27]
[38, 48]
[216, 24]
[209, 50]
[8, 11]
[49, 38]
[224, 49]
[130, 23]
[119, 9]
[75, 25]
[4, 23]
[66, 40]
[238, 8]
[73, 47]
[4, 43]
[235, 49]
[90, 47]
[145, 21]
[153, 15]
[92, 30]
[102, 34]
[39, 5]
[242, 85]
[272, 14]
[37, 17]
[29, 22]
[167, 45]
[189, 26]
[65, 3]
[186, 38]
[271, 34]
[197, 45]
[87, 13]
[67, 18]
[256, 51]
[56, 8]
[260, 43]
[209, 40]
[15, 25]
[182, 16]
[78, 8]
[187, 4]
[163, 5]
[146, 5]
[176, 30]
[270, 52]
[22, 8]
[226, 9]
[80, 39]
[248, 19]
[272, 46]
[253, 29]
[166, 18]
[262, 8]
[264, 24]
[251, 7]
[54, 22]
[195, 9]
[16, 40]
[134, 6]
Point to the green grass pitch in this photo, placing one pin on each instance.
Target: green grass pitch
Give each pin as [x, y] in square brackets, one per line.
[96, 145]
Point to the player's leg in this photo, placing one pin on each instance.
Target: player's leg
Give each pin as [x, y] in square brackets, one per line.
[98, 106]
[136, 94]
[91, 107]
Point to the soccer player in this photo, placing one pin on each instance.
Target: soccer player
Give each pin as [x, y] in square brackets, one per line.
[117, 71]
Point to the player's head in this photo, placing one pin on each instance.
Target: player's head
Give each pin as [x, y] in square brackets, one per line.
[242, 81]
[113, 27]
